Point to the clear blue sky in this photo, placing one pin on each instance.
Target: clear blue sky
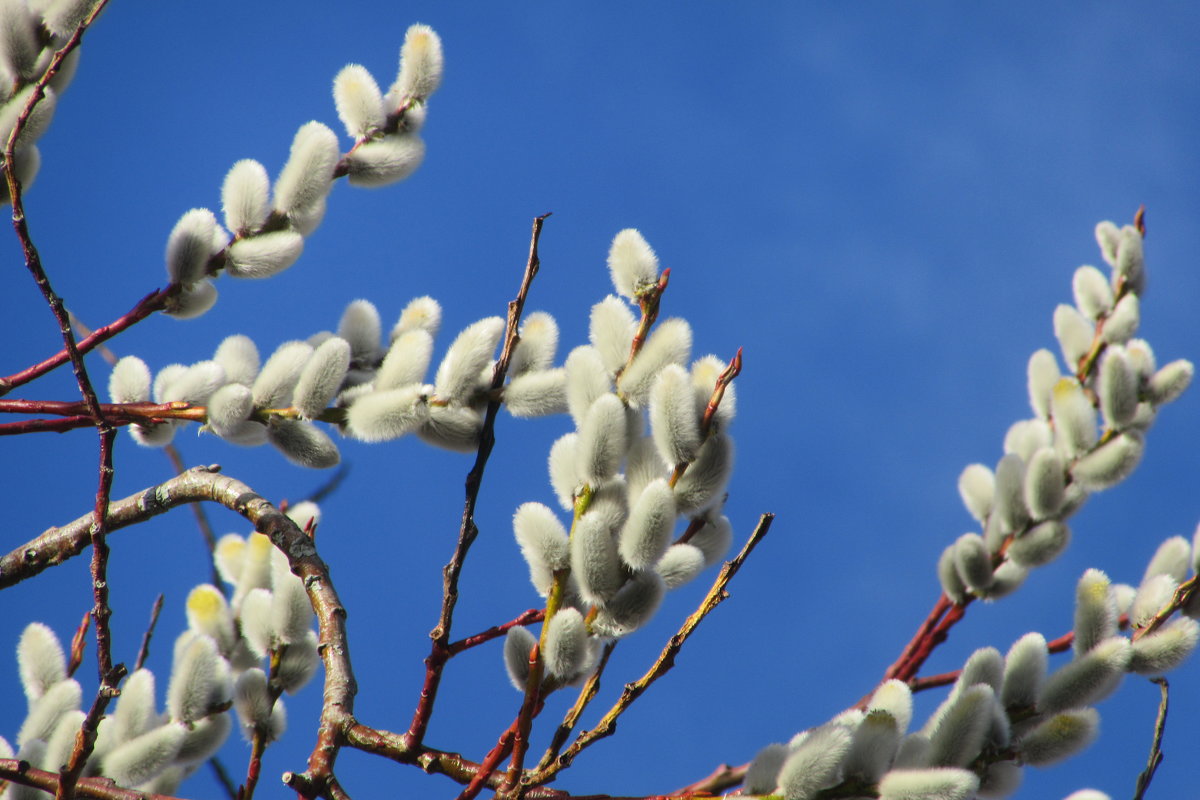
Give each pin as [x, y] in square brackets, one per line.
[882, 205]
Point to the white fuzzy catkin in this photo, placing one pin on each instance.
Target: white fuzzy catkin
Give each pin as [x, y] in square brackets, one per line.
[815, 764]
[321, 377]
[19, 46]
[190, 246]
[421, 65]
[245, 197]
[1168, 383]
[895, 698]
[1009, 503]
[601, 440]
[537, 394]
[536, 346]
[1045, 483]
[274, 384]
[517, 644]
[386, 415]
[1093, 294]
[543, 542]
[632, 606]
[670, 343]
[674, 422]
[251, 700]
[1166, 648]
[305, 179]
[947, 573]
[238, 356]
[1171, 558]
[40, 660]
[62, 741]
[632, 264]
[977, 487]
[566, 644]
[714, 538]
[421, 313]
[1110, 463]
[39, 118]
[647, 533]
[299, 663]
[762, 775]
[985, 665]
[208, 613]
[194, 680]
[937, 783]
[594, 560]
[1117, 387]
[303, 443]
[1024, 671]
[1129, 261]
[1059, 737]
[361, 327]
[45, 712]
[564, 474]
[1108, 236]
[1095, 611]
[407, 360]
[1074, 418]
[458, 374]
[452, 427]
[229, 412]
[1040, 544]
[705, 373]
[196, 384]
[205, 737]
[1074, 333]
[875, 743]
[135, 712]
[254, 613]
[705, 479]
[140, 759]
[358, 100]
[1123, 322]
[1024, 437]
[264, 255]
[1154, 594]
[973, 561]
[1043, 374]
[610, 330]
[291, 612]
[961, 728]
[129, 381]
[680, 564]
[381, 162]
[586, 381]
[1088, 679]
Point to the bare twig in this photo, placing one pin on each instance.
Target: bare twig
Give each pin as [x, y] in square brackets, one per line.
[223, 777]
[79, 643]
[586, 695]
[1156, 755]
[144, 650]
[21, 772]
[662, 665]
[440, 635]
[527, 618]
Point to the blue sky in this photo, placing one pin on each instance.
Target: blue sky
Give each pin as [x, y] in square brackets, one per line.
[882, 205]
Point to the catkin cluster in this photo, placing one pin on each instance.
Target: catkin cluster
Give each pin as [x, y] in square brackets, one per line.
[267, 225]
[1087, 433]
[218, 661]
[30, 33]
[625, 487]
[1003, 713]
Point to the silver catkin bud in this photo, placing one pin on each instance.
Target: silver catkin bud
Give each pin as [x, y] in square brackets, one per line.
[705, 479]
[715, 538]
[564, 472]
[274, 384]
[1074, 418]
[252, 702]
[1166, 648]
[1154, 594]
[537, 394]
[454, 428]
[1130, 261]
[45, 712]
[298, 663]
[947, 572]
[303, 443]
[816, 764]
[680, 565]
[264, 255]
[1093, 294]
[1095, 611]
[141, 758]
[1122, 323]
[407, 360]
[458, 374]
[291, 612]
[382, 162]
[358, 100]
[1117, 388]
[196, 384]
[1024, 671]
[321, 377]
[943, 783]
[631, 606]
[543, 542]
[229, 412]
[647, 533]
[195, 680]
[1088, 679]
[670, 343]
[977, 487]
[610, 330]
[129, 381]
[874, 747]
[601, 440]
[985, 666]
[1040, 544]
[961, 727]
[135, 713]
[40, 660]
[238, 356]
[762, 776]
[1024, 437]
[383, 416]
[566, 644]
[1110, 463]
[421, 65]
[587, 380]
[1074, 333]
[305, 179]
[1043, 374]
[1168, 383]
[674, 423]
[1059, 737]
[361, 327]
[537, 344]
[594, 560]
[973, 562]
[632, 264]
[1009, 505]
[517, 644]
[190, 246]
[1045, 483]
[245, 197]
[1171, 558]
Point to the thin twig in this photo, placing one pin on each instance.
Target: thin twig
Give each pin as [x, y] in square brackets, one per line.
[527, 618]
[144, 650]
[223, 777]
[1156, 755]
[662, 665]
[440, 635]
[571, 719]
[330, 486]
[79, 643]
